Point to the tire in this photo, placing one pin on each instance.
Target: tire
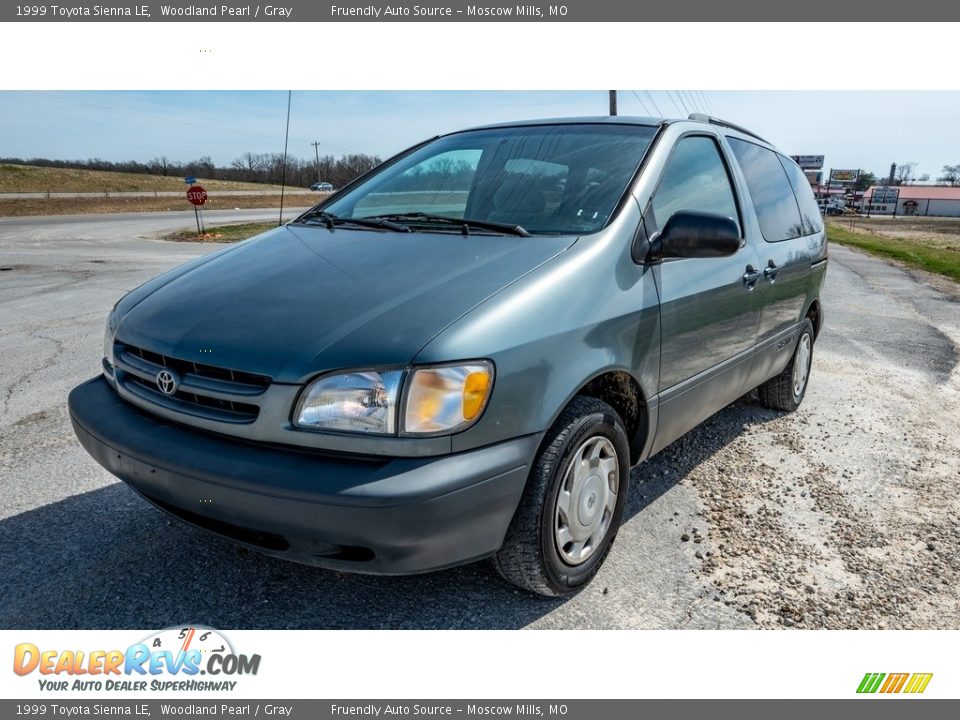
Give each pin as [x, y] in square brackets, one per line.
[532, 556]
[781, 392]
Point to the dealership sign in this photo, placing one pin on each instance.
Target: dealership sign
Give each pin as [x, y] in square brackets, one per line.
[844, 175]
[808, 162]
[884, 195]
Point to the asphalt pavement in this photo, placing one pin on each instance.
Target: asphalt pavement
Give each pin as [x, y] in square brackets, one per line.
[844, 514]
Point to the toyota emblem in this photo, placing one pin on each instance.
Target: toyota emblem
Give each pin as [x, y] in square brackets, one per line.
[167, 382]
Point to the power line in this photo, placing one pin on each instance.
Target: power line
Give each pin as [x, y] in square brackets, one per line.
[706, 101]
[670, 95]
[655, 107]
[693, 101]
[673, 102]
[700, 104]
[642, 104]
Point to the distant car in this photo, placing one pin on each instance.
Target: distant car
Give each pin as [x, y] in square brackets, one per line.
[834, 210]
[322, 187]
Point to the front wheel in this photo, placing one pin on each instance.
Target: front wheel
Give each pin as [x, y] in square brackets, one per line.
[786, 390]
[573, 504]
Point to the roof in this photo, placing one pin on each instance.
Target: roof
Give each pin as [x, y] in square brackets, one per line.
[623, 120]
[922, 192]
[605, 119]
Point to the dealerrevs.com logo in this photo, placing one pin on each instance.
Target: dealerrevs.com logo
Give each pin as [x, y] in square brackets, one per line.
[181, 659]
[909, 683]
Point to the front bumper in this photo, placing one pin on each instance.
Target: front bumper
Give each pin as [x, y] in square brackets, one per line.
[373, 515]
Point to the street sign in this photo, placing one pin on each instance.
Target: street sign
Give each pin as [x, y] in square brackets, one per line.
[844, 175]
[808, 162]
[190, 180]
[197, 195]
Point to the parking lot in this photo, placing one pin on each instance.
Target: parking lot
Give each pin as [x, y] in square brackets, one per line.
[845, 514]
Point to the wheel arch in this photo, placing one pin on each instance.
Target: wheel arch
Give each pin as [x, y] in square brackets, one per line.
[815, 313]
[623, 392]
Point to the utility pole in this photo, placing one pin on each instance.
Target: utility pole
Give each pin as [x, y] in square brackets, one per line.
[613, 103]
[316, 150]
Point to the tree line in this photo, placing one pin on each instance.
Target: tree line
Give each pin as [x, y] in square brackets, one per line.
[249, 167]
[903, 174]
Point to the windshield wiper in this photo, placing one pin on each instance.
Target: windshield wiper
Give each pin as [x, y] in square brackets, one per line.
[331, 220]
[464, 223]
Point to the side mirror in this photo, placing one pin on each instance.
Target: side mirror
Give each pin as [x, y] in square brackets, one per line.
[690, 234]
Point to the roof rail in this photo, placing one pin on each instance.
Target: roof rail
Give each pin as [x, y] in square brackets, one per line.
[700, 117]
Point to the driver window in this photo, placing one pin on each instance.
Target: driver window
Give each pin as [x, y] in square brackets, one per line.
[695, 179]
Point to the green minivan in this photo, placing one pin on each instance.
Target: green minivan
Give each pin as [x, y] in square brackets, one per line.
[462, 354]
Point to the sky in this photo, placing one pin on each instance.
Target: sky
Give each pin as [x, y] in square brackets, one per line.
[866, 130]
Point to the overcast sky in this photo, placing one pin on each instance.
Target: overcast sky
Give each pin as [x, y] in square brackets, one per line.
[867, 130]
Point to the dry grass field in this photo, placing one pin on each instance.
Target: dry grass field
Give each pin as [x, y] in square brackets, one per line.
[28, 178]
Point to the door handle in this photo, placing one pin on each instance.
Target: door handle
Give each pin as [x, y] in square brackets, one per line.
[750, 277]
[770, 271]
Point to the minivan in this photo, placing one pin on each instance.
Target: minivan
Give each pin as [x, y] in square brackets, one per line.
[463, 353]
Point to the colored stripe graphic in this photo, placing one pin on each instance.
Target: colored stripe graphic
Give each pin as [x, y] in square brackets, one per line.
[870, 682]
[918, 682]
[894, 683]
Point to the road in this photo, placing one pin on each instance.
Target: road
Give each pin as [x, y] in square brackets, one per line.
[842, 515]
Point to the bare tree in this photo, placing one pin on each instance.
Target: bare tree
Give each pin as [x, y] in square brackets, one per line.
[951, 175]
[904, 174]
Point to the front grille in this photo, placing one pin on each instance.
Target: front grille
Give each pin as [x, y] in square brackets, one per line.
[183, 367]
[205, 391]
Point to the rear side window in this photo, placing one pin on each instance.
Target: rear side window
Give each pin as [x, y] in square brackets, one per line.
[770, 189]
[809, 210]
[695, 179]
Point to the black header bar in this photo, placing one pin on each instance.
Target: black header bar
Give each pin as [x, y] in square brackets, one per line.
[488, 11]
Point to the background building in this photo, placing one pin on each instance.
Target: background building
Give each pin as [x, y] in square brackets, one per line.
[912, 200]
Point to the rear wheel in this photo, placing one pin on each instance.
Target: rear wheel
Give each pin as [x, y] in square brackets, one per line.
[786, 390]
[573, 504]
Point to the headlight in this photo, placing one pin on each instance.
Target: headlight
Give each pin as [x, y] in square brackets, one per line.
[362, 401]
[440, 399]
[109, 334]
[446, 399]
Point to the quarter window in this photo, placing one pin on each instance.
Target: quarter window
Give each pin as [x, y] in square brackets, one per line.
[695, 179]
[770, 189]
[809, 210]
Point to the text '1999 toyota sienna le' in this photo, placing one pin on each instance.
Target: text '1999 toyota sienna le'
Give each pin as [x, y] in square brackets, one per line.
[462, 354]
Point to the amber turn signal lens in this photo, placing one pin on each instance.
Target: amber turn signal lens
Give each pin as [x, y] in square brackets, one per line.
[476, 387]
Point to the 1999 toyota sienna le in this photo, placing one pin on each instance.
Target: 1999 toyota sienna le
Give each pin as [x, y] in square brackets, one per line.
[462, 353]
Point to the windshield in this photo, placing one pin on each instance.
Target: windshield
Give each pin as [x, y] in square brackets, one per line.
[558, 179]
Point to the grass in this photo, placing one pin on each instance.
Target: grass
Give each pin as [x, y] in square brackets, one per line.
[223, 233]
[925, 253]
[29, 178]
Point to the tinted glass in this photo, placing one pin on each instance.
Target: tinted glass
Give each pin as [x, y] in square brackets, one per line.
[549, 179]
[440, 184]
[695, 179]
[770, 189]
[809, 210]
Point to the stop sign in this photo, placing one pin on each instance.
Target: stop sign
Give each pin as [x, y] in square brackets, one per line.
[197, 195]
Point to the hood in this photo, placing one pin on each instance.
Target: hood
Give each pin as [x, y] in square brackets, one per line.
[299, 300]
